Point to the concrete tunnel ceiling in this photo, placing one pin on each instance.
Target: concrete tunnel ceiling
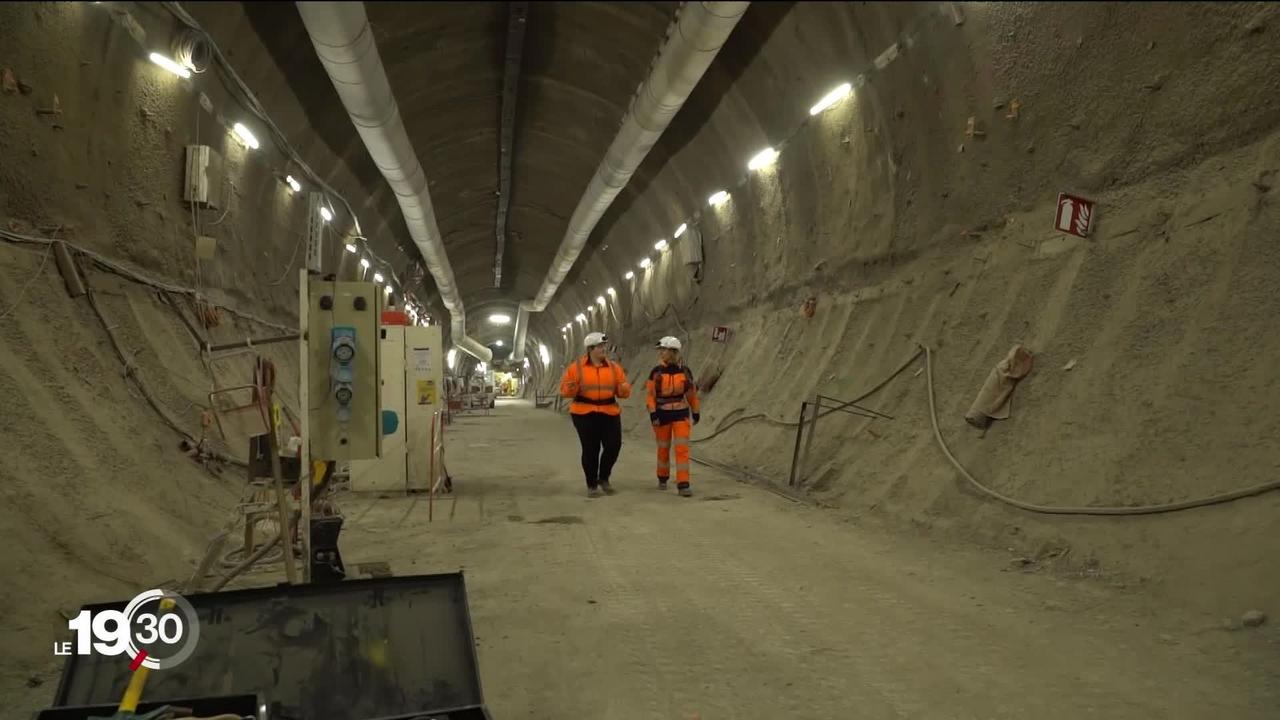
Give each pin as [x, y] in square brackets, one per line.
[580, 65]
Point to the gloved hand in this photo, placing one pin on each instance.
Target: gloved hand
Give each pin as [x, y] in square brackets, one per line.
[653, 419]
[696, 418]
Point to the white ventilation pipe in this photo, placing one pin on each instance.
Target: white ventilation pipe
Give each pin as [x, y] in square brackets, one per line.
[701, 29]
[344, 42]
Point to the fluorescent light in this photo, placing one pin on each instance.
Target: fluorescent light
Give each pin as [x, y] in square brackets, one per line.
[645, 263]
[377, 277]
[660, 245]
[600, 300]
[831, 98]
[612, 292]
[388, 289]
[764, 158]
[351, 248]
[451, 357]
[364, 263]
[170, 65]
[499, 319]
[581, 318]
[325, 213]
[245, 136]
[680, 230]
[297, 186]
[544, 354]
[499, 343]
[629, 275]
[718, 198]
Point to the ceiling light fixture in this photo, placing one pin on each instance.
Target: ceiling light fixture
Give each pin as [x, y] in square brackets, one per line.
[645, 263]
[831, 98]
[660, 245]
[600, 300]
[629, 275]
[581, 318]
[351, 248]
[245, 136]
[763, 159]
[499, 319]
[377, 277]
[718, 198]
[498, 343]
[297, 186]
[612, 292]
[170, 65]
[364, 263]
[680, 230]
[326, 213]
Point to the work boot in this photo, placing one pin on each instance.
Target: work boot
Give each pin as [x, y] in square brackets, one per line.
[593, 492]
[662, 484]
[606, 487]
[685, 491]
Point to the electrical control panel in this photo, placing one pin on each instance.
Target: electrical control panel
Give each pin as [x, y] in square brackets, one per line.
[343, 371]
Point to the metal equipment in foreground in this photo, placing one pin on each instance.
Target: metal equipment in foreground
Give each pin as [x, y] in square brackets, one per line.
[372, 649]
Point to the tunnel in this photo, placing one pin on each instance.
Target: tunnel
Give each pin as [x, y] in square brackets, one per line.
[970, 410]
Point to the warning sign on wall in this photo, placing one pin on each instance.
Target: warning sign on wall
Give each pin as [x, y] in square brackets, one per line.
[1075, 215]
[426, 392]
[720, 334]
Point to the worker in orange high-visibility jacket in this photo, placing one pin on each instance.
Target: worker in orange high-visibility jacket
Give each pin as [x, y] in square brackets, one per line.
[595, 384]
[673, 404]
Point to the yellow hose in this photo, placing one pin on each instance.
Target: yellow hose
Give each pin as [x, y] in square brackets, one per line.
[133, 693]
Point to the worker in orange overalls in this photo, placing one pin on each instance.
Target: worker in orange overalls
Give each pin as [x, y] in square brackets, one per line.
[673, 402]
[595, 384]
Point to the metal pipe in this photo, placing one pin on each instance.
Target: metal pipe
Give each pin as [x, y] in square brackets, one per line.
[517, 14]
[699, 32]
[344, 43]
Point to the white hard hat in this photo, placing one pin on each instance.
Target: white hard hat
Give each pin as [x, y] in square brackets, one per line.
[595, 338]
[669, 343]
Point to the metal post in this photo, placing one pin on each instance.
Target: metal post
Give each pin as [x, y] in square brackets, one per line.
[813, 430]
[795, 454]
[306, 476]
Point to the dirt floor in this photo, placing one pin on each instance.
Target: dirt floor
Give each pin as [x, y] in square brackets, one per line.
[740, 603]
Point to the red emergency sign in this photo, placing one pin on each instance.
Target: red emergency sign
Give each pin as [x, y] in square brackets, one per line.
[1075, 215]
[720, 334]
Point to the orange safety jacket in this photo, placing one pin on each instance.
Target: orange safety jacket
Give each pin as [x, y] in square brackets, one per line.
[671, 394]
[595, 388]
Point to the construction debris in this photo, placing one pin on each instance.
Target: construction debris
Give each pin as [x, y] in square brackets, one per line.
[8, 82]
[1014, 106]
[1253, 618]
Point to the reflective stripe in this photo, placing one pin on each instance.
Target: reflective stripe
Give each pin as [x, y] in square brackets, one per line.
[684, 467]
[664, 445]
[673, 406]
[682, 441]
[595, 387]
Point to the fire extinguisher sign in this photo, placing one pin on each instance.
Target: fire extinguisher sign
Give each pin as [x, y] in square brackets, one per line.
[1074, 216]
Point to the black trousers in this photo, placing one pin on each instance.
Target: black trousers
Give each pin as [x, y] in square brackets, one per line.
[601, 438]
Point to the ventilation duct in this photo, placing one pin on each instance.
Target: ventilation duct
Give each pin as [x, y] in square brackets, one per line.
[701, 29]
[344, 42]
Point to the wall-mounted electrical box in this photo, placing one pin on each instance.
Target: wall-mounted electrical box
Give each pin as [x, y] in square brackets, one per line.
[202, 184]
[343, 370]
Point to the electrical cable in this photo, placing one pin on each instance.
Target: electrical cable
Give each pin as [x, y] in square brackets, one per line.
[131, 274]
[23, 292]
[1078, 510]
[1109, 511]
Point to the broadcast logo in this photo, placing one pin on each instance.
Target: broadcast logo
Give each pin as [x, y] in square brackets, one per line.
[158, 630]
